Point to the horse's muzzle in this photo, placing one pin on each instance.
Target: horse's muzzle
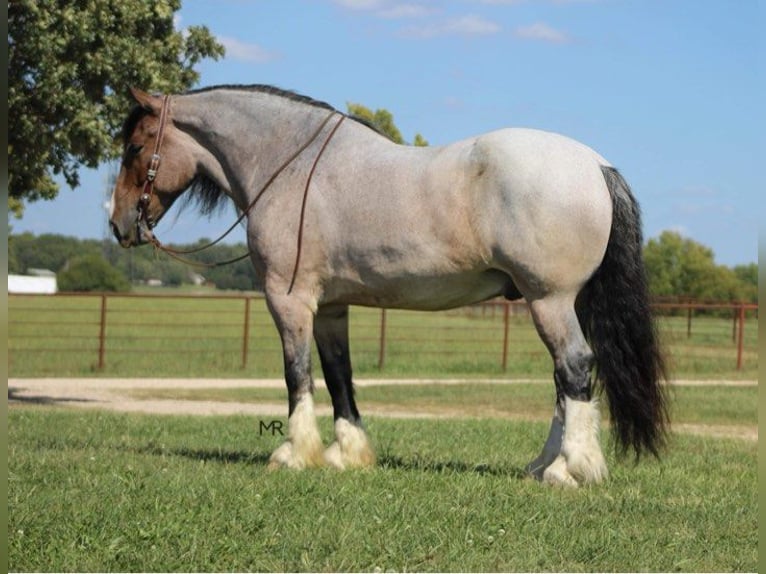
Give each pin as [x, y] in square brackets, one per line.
[137, 234]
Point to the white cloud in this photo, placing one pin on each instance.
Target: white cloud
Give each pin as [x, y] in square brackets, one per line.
[244, 52]
[402, 11]
[501, 2]
[469, 25]
[542, 32]
[386, 9]
[360, 4]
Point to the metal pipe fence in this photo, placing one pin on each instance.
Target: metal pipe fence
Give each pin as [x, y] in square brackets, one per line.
[190, 335]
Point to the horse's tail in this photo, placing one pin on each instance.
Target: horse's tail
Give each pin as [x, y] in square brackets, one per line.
[616, 317]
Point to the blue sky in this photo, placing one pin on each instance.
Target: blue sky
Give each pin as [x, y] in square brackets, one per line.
[670, 92]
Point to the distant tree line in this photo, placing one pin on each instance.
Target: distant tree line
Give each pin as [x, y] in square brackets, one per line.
[677, 267]
[89, 257]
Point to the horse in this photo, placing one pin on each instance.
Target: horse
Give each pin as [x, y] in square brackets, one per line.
[337, 215]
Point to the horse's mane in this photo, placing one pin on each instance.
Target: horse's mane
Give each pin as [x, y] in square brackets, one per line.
[202, 191]
[265, 89]
[290, 95]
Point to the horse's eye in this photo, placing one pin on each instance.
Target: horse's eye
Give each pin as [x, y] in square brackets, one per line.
[133, 149]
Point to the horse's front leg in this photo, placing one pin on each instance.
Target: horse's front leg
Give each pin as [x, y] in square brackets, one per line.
[303, 447]
[351, 448]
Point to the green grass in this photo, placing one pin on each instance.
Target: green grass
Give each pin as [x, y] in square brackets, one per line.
[96, 491]
[688, 405]
[203, 336]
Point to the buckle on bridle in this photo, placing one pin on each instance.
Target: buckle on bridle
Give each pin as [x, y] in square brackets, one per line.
[154, 165]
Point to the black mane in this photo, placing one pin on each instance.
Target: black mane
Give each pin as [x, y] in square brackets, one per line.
[129, 125]
[266, 89]
[290, 95]
[205, 194]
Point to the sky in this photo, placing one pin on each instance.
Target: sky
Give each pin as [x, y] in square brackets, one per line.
[670, 92]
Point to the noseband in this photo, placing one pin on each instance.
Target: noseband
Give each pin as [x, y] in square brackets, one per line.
[143, 221]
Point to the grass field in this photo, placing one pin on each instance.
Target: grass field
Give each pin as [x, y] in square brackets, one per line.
[204, 336]
[715, 405]
[96, 491]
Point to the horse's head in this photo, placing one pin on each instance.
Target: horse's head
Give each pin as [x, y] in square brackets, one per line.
[157, 166]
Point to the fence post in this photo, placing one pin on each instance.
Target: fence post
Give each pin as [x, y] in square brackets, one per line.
[382, 345]
[689, 322]
[741, 337]
[102, 334]
[246, 334]
[506, 314]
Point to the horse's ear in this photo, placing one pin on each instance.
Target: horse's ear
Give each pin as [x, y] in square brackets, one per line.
[146, 100]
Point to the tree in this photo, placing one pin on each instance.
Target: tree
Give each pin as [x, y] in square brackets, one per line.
[69, 70]
[681, 267]
[91, 273]
[383, 121]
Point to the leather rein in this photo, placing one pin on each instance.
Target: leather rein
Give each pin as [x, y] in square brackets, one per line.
[145, 224]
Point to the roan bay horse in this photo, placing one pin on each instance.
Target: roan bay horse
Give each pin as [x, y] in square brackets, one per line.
[338, 215]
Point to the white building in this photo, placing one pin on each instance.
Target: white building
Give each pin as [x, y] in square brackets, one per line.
[32, 284]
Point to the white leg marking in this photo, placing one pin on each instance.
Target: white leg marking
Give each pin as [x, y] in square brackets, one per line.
[581, 448]
[551, 450]
[351, 448]
[303, 448]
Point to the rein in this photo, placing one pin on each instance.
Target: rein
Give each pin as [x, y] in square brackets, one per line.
[146, 196]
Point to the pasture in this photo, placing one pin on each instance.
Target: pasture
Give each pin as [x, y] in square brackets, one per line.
[234, 337]
[91, 490]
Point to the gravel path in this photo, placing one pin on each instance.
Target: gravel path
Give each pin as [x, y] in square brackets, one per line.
[110, 394]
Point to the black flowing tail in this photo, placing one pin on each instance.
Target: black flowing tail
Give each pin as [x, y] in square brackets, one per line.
[616, 317]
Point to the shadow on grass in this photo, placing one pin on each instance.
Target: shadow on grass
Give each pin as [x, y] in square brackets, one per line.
[207, 455]
[449, 466]
[384, 462]
[14, 396]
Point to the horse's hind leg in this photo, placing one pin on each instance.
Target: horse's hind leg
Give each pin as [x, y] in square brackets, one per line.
[351, 447]
[552, 447]
[580, 460]
[303, 448]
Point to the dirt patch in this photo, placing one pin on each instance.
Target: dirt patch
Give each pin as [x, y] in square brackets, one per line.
[110, 394]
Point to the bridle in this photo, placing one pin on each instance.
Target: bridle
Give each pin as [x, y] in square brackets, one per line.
[146, 195]
[145, 224]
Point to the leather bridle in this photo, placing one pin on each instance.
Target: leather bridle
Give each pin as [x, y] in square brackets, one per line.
[146, 196]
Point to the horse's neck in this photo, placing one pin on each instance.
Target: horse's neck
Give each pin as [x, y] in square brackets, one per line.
[250, 134]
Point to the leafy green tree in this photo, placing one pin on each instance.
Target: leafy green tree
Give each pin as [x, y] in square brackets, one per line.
[91, 273]
[383, 120]
[681, 267]
[748, 278]
[70, 66]
[420, 141]
[47, 251]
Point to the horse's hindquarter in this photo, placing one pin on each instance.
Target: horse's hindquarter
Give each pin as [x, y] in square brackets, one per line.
[548, 210]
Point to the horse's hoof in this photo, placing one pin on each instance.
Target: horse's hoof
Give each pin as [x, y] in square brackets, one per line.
[588, 468]
[286, 456]
[535, 469]
[558, 475]
[351, 449]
